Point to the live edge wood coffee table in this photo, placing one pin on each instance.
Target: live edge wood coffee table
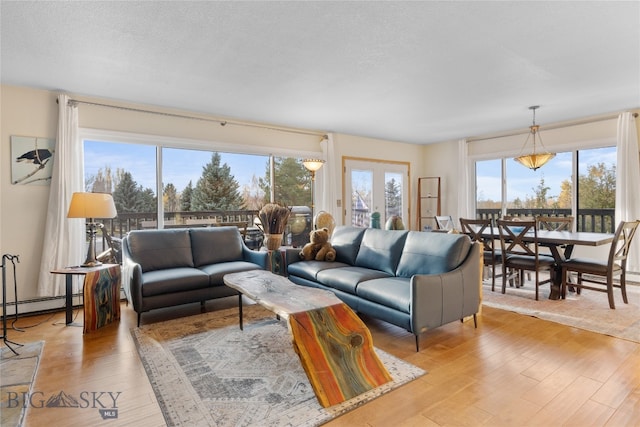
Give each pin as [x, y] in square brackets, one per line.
[334, 345]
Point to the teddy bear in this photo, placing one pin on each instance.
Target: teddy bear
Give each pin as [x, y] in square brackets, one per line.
[319, 247]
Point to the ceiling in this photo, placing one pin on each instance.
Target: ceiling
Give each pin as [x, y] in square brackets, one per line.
[417, 72]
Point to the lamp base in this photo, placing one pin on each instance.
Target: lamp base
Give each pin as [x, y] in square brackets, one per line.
[91, 260]
[88, 263]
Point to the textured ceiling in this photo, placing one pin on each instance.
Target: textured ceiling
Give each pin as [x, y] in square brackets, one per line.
[417, 72]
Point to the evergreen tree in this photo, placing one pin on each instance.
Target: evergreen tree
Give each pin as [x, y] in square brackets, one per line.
[147, 200]
[125, 195]
[292, 182]
[393, 198]
[217, 189]
[185, 197]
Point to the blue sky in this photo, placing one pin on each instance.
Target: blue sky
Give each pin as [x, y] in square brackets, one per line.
[179, 165]
[521, 180]
[182, 165]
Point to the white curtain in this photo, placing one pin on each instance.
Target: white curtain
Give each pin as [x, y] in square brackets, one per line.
[64, 242]
[329, 171]
[628, 182]
[464, 203]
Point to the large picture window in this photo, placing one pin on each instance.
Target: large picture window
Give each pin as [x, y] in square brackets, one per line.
[506, 188]
[156, 186]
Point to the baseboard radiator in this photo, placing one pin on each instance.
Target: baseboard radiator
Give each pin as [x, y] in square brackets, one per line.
[35, 306]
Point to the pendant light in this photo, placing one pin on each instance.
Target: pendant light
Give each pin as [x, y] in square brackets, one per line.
[535, 159]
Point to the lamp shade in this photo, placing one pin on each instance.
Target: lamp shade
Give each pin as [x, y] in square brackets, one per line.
[92, 205]
[534, 160]
[313, 165]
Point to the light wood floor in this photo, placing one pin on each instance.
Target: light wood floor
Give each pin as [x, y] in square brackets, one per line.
[510, 371]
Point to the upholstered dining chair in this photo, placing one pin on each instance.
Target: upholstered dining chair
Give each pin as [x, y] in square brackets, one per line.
[600, 273]
[519, 255]
[444, 222]
[475, 229]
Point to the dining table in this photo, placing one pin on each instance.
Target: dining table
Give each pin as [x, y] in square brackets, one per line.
[561, 245]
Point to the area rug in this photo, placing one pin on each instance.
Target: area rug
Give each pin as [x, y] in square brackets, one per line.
[589, 310]
[16, 379]
[205, 371]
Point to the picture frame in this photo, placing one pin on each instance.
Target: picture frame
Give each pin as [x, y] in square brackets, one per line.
[31, 160]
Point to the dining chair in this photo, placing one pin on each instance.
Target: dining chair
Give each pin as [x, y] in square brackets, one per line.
[476, 229]
[555, 223]
[444, 222]
[519, 255]
[600, 273]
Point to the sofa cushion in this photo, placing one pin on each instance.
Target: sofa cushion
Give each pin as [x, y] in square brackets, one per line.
[216, 244]
[173, 280]
[160, 249]
[310, 269]
[347, 279]
[217, 271]
[381, 249]
[394, 292]
[346, 241]
[432, 253]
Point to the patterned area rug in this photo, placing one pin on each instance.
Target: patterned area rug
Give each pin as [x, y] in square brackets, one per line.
[205, 371]
[17, 375]
[589, 310]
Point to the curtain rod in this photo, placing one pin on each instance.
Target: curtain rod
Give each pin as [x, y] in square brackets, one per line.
[185, 116]
[551, 127]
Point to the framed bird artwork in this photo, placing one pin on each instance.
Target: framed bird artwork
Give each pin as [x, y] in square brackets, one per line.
[31, 160]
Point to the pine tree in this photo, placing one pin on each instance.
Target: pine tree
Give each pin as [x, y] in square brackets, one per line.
[292, 182]
[185, 197]
[393, 196]
[125, 195]
[217, 189]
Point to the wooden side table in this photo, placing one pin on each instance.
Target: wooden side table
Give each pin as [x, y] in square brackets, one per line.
[277, 260]
[106, 279]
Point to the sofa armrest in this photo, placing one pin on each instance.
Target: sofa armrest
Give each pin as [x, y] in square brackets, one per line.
[437, 299]
[256, 257]
[293, 255]
[131, 277]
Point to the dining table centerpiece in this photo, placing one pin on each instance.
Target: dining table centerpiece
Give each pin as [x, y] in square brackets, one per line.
[273, 221]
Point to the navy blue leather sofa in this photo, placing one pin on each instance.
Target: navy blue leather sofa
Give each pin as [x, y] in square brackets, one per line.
[163, 268]
[415, 280]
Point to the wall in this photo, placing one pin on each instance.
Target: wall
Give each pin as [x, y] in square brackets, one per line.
[25, 112]
[32, 112]
[375, 149]
[593, 132]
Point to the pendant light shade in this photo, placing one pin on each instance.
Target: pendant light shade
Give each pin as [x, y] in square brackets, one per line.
[535, 159]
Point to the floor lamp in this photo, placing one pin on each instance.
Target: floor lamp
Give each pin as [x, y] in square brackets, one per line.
[91, 206]
[312, 165]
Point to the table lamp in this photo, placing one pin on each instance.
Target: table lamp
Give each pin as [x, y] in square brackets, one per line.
[91, 206]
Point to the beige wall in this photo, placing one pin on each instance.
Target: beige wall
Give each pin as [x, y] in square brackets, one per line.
[590, 134]
[32, 112]
[379, 150]
[25, 112]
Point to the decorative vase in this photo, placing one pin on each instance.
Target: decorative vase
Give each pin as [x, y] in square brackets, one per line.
[273, 241]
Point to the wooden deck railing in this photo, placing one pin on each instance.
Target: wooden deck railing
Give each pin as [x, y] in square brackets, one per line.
[595, 220]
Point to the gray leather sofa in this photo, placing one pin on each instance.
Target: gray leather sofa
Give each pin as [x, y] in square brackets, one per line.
[164, 268]
[415, 280]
